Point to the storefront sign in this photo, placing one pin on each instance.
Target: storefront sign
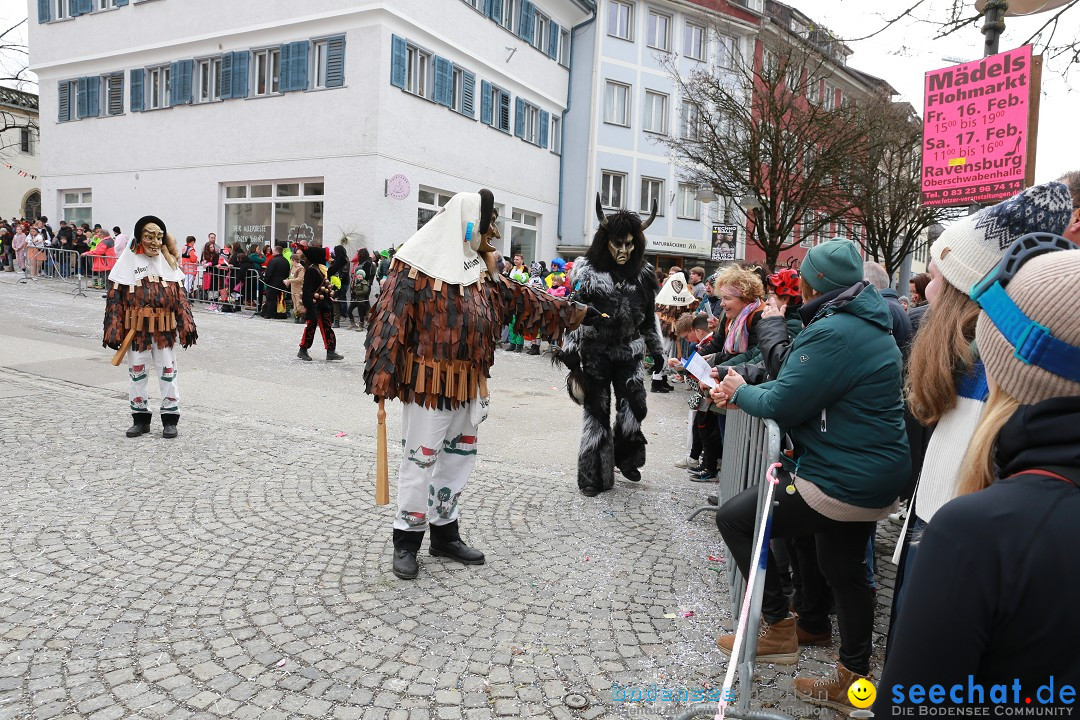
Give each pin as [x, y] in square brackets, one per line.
[979, 122]
[723, 242]
[676, 246]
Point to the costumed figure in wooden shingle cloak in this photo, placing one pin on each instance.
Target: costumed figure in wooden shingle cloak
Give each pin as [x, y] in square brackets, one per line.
[431, 343]
[146, 314]
[615, 279]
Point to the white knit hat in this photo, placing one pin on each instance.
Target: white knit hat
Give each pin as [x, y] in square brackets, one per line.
[675, 292]
[969, 249]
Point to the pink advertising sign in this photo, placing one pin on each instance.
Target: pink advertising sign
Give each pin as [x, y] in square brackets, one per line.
[975, 129]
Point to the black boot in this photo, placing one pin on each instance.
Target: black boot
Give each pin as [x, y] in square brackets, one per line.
[659, 386]
[141, 426]
[303, 354]
[534, 350]
[446, 542]
[631, 474]
[406, 545]
[332, 355]
[168, 422]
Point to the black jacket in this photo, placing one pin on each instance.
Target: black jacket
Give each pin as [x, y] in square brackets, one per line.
[313, 280]
[277, 271]
[992, 593]
[901, 324]
[339, 265]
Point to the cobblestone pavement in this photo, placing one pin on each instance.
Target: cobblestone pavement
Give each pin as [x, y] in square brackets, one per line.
[241, 571]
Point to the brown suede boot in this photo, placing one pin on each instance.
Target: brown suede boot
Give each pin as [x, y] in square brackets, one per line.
[777, 643]
[830, 691]
[808, 638]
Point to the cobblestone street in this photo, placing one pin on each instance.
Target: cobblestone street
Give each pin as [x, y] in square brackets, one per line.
[242, 570]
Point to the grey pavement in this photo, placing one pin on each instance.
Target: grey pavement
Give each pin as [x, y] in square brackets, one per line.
[242, 571]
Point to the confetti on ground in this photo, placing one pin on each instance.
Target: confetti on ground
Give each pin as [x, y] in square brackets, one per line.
[688, 613]
[670, 616]
[281, 662]
[342, 434]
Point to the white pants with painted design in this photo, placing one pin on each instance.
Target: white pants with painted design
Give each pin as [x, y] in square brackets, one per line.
[438, 457]
[139, 368]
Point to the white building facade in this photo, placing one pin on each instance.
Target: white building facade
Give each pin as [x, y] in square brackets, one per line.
[621, 114]
[20, 194]
[328, 118]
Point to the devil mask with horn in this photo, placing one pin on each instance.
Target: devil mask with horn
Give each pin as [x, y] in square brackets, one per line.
[618, 246]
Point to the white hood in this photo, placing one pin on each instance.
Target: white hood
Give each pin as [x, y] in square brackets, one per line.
[441, 248]
[675, 292]
[131, 267]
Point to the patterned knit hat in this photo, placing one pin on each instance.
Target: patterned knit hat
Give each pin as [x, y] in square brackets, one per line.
[969, 249]
[1030, 384]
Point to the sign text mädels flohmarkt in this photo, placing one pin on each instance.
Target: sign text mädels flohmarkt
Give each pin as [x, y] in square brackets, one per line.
[976, 124]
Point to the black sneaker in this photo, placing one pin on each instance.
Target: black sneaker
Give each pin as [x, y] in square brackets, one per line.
[303, 355]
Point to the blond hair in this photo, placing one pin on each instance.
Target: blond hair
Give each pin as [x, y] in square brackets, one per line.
[746, 282]
[942, 353]
[978, 471]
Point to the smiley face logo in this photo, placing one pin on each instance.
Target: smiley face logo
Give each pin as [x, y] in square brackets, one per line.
[861, 694]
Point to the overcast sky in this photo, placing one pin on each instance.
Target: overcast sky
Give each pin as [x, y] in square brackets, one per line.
[901, 55]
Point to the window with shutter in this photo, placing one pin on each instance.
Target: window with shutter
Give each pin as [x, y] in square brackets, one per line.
[545, 121]
[93, 95]
[240, 74]
[81, 98]
[485, 102]
[504, 111]
[226, 76]
[335, 61]
[174, 83]
[44, 8]
[120, 3]
[444, 82]
[525, 21]
[398, 60]
[553, 41]
[63, 113]
[468, 92]
[114, 94]
[519, 118]
[137, 101]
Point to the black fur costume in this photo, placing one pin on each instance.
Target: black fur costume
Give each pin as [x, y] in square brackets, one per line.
[609, 355]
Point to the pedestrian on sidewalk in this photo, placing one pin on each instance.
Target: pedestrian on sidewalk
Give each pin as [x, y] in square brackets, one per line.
[295, 282]
[277, 272]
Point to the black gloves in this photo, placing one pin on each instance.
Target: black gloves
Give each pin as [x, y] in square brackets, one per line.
[592, 316]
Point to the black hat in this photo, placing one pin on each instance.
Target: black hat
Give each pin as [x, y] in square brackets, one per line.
[143, 222]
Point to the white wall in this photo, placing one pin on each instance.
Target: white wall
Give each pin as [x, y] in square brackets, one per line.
[171, 162]
[14, 188]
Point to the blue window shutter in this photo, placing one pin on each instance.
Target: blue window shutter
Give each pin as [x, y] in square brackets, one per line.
[63, 113]
[468, 94]
[444, 81]
[137, 90]
[186, 75]
[174, 83]
[240, 74]
[225, 89]
[545, 122]
[80, 98]
[504, 112]
[81, 7]
[93, 96]
[298, 72]
[398, 61]
[553, 41]
[525, 21]
[335, 61]
[485, 102]
[487, 7]
[495, 12]
[285, 67]
[44, 11]
[519, 118]
[121, 3]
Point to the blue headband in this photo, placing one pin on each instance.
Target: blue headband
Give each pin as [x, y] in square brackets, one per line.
[1033, 343]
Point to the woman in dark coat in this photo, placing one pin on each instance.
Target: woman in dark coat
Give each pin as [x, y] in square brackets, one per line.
[360, 304]
[341, 268]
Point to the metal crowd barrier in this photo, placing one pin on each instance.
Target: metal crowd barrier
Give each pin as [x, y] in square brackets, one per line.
[751, 446]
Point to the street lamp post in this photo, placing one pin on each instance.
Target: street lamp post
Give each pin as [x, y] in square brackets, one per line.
[996, 11]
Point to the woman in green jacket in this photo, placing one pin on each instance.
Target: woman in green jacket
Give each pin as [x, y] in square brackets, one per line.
[838, 397]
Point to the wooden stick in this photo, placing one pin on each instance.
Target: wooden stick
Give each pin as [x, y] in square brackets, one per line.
[119, 356]
[382, 470]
